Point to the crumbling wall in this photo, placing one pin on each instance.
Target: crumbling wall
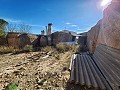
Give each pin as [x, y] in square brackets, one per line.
[3, 41]
[43, 41]
[58, 37]
[14, 42]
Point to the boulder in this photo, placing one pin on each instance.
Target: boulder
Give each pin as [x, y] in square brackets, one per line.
[110, 27]
[92, 36]
[107, 30]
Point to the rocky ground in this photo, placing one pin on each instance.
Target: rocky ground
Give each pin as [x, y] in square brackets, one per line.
[35, 70]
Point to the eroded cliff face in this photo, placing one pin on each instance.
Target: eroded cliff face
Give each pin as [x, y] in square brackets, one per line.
[107, 31]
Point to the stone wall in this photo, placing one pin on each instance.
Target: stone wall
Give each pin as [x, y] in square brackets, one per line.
[19, 40]
[58, 37]
[3, 41]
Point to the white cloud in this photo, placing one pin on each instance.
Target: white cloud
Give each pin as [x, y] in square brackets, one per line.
[20, 21]
[35, 25]
[80, 29]
[84, 29]
[68, 23]
[74, 25]
[11, 20]
[55, 29]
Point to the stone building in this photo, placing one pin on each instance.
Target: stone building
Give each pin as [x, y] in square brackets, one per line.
[82, 38]
[42, 40]
[63, 36]
[3, 41]
[20, 40]
[49, 29]
[82, 41]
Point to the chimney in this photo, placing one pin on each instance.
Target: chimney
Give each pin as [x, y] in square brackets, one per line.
[42, 32]
[46, 30]
[49, 28]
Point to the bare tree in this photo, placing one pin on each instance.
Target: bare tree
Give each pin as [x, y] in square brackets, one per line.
[24, 28]
[11, 28]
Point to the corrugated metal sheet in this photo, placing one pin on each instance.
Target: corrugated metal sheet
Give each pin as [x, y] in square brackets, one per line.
[108, 60]
[98, 72]
[85, 73]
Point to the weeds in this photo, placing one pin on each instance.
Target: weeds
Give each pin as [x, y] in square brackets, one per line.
[28, 48]
[66, 47]
[48, 49]
[6, 49]
[13, 86]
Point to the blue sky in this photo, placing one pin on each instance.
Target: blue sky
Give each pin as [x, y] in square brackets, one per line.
[74, 15]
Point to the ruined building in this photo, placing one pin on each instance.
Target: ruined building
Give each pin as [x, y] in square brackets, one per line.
[56, 37]
[20, 40]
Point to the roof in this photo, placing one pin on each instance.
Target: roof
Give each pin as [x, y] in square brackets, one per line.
[71, 32]
[83, 34]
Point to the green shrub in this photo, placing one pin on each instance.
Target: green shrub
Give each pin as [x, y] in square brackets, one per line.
[13, 86]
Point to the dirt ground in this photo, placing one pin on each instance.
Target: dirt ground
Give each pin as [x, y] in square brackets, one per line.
[35, 70]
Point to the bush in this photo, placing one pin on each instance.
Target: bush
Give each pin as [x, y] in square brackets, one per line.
[76, 49]
[6, 49]
[61, 47]
[28, 48]
[12, 86]
[48, 49]
[66, 47]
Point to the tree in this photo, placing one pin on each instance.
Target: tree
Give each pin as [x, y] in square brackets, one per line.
[3, 23]
[24, 28]
[11, 28]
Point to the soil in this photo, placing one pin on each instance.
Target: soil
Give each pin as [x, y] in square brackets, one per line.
[35, 70]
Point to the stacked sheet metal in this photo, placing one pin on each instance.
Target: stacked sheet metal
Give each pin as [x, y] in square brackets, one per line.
[98, 72]
[85, 73]
[108, 60]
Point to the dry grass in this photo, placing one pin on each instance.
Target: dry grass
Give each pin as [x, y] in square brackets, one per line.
[6, 49]
[61, 47]
[28, 48]
[10, 49]
[66, 47]
[48, 49]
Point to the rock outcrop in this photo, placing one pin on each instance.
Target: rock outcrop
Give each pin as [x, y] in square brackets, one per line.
[107, 31]
[92, 36]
